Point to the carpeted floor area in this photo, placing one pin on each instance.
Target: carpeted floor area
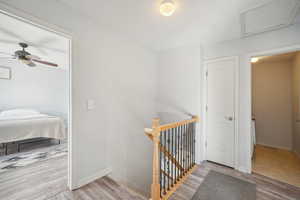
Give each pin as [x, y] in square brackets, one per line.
[266, 188]
[218, 186]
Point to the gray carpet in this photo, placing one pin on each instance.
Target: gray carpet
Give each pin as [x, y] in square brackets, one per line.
[218, 186]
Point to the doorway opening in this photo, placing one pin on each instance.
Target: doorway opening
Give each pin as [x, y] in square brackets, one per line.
[35, 109]
[276, 116]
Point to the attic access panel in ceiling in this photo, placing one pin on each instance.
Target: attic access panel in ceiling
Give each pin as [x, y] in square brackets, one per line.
[270, 16]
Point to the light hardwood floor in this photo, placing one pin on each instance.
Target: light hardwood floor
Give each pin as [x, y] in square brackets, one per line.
[48, 180]
[266, 188]
[278, 164]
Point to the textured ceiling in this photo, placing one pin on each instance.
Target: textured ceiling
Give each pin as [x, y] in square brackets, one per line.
[194, 21]
[203, 21]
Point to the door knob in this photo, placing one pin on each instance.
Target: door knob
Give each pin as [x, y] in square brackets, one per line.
[229, 118]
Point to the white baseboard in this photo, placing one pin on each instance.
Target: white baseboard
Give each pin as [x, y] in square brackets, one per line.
[89, 179]
[274, 146]
[243, 169]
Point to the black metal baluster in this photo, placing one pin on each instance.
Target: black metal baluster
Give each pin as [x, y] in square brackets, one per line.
[191, 132]
[181, 156]
[172, 153]
[165, 146]
[183, 148]
[176, 152]
[188, 147]
[169, 167]
[160, 160]
[194, 141]
[189, 150]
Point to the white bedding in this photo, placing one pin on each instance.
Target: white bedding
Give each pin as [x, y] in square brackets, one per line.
[14, 128]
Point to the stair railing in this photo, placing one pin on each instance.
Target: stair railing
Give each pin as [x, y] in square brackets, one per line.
[174, 151]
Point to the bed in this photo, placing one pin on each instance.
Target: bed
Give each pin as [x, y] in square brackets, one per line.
[16, 125]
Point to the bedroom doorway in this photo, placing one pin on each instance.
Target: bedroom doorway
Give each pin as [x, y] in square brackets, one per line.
[276, 116]
[35, 108]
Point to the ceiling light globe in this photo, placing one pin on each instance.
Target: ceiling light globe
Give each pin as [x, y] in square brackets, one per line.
[167, 8]
[254, 60]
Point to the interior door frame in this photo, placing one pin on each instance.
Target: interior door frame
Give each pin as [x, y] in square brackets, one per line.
[34, 21]
[269, 52]
[236, 105]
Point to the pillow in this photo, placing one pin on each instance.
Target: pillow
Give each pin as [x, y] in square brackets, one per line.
[19, 112]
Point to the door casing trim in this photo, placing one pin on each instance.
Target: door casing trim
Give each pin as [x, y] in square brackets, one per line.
[236, 106]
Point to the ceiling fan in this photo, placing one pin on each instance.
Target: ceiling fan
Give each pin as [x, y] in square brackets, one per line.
[27, 58]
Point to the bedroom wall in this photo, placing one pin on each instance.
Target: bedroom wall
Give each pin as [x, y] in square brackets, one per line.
[272, 103]
[243, 47]
[121, 77]
[296, 103]
[40, 88]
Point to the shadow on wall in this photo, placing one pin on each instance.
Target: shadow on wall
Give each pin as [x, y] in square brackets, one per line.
[172, 113]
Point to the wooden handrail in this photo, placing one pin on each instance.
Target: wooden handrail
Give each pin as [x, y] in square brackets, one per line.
[172, 125]
[176, 124]
[160, 150]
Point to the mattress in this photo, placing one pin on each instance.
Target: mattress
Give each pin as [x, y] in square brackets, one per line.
[14, 128]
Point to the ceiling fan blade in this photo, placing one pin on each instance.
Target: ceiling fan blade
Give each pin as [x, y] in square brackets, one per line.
[45, 62]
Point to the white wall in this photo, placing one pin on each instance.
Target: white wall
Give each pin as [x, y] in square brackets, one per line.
[40, 88]
[180, 85]
[243, 48]
[120, 77]
[296, 103]
[272, 103]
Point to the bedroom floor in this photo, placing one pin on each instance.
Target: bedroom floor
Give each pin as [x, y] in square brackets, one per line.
[47, 179]
[278, 164]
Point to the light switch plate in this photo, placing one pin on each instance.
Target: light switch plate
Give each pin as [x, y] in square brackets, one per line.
[91, 104]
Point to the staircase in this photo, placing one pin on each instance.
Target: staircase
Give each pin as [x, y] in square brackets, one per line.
[173, 155]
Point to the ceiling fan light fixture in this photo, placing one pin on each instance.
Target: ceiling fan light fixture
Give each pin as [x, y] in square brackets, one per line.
[254, 60]
[25, 61]
[167, 8]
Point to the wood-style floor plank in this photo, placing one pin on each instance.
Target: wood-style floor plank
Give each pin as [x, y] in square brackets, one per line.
[267, 188]
[47, 180]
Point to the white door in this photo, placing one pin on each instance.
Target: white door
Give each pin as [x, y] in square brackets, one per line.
[220, 111]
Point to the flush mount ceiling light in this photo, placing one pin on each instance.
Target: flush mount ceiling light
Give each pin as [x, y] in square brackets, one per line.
[167, 7]
[254, 60]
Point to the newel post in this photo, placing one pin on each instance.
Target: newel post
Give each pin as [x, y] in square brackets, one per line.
[155, 188]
